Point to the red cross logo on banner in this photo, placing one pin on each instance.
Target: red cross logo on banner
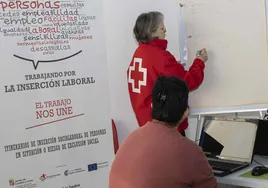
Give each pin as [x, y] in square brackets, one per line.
[137, 75]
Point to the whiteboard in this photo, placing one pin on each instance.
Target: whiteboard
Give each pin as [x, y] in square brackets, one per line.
[234, 33]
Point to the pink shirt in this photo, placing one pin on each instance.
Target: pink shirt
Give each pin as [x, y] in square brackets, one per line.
[156, 156]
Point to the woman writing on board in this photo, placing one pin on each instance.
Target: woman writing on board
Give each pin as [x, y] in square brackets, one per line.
[150, 60]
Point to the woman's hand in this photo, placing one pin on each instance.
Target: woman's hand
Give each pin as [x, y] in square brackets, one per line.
[202, 54]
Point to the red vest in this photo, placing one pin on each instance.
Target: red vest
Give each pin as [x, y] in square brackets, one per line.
[150, 61]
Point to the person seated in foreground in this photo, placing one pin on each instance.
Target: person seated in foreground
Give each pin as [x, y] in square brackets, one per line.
[156, 155]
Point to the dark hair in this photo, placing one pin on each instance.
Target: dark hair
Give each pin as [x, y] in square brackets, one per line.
[145, 25]
[169, 99]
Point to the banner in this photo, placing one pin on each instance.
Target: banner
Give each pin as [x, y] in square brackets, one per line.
[55, 122]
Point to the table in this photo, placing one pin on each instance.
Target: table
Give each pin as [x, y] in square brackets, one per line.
[235, 179]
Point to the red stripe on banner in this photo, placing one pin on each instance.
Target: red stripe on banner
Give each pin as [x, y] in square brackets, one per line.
[39, 125]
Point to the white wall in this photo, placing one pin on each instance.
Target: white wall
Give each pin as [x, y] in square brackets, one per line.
[120, 17]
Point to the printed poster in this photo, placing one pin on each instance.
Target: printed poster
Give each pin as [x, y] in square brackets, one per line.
[55, 122]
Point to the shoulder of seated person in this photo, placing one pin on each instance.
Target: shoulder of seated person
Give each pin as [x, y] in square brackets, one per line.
[190, 145]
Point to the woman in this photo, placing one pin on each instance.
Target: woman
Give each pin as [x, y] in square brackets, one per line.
[163, 158]
[150, 60]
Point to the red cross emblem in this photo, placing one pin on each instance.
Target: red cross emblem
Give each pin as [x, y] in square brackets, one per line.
[137, 75]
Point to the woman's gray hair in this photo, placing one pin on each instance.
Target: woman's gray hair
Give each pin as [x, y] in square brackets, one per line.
[146, 24]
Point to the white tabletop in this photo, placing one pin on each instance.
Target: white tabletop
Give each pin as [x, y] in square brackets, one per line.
[235, 179]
